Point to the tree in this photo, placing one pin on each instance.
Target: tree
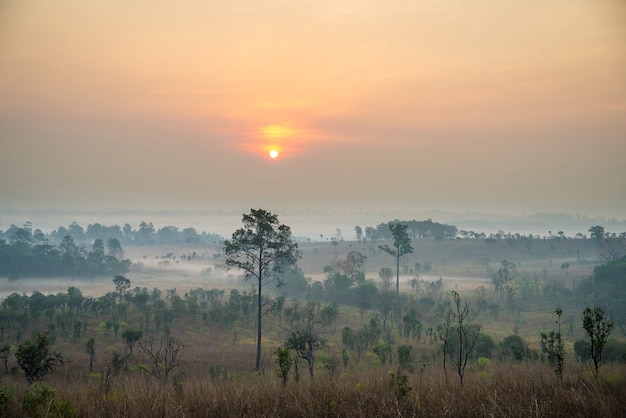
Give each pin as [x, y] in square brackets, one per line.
[612, 248]
[307, 335]
[164, 355]
[121, 285]
[4, 356]
[401, 246]
[387, 299]
[353, 266]
[597, 233]
[598, 328]
[37, 358]
[115, 248]
[606, 288]
[514, 347]
[145, 234]
[467, 334]
[284, 361]
[359, 233]
[552, 345]
[130, 337]
[90, 347]
[505, 274]
[263, 249]
[443, 331]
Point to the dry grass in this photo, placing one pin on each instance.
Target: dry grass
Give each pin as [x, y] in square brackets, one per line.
[364, 389]
[506, 390]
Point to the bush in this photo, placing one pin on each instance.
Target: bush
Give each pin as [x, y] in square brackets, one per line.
[41, 401]
[484, 346]
[37, 358]
[614, 351]
[406, 357]
[582, 350]
[6, 401]
[513, 347]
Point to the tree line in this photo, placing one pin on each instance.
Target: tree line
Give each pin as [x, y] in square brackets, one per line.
[27, 254]
[145, 234]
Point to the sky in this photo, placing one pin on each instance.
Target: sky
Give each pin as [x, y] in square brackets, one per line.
[496, 106]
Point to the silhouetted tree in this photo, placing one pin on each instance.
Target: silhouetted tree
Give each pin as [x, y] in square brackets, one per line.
[263, 248]
[598, 328]
[401, 246]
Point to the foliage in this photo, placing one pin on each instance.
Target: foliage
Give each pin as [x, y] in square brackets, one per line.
[308, 333]
[37, 358]
[383, 351]
[553, 346]
[607, 288]
[42, 401]
[400, 385]
[5, 351]
[29, 254]
[598, 327]
[130, 337]
[6, 401]
[513, 347]
[406, 357]
[284, 361]
[485, 345]
[121, 285]
[505, 274]
[90, 347]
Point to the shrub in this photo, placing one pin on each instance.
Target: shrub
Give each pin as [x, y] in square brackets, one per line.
[37, 358]
[406, 357]
[6, 401]
[42, 401]
[513, 347]
[400, 385]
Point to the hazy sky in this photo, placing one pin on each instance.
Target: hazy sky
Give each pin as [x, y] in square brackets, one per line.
[503, 106]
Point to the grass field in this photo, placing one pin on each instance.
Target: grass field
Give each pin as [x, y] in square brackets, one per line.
[218, 376]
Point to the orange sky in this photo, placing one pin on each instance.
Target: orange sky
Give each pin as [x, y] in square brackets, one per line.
[455, 105]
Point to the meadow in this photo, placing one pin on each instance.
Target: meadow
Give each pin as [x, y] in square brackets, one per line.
[216, 375]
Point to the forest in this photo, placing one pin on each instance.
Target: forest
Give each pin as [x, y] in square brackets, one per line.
[408, 319]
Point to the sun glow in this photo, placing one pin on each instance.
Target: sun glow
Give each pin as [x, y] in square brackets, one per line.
[277, 141]
[276, 132]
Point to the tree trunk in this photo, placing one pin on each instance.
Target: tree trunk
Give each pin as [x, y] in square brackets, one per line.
[398, 271]
[258, 321]
[311, 360]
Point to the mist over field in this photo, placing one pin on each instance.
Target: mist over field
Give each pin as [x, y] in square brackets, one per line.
[99, 279]
[309, 224]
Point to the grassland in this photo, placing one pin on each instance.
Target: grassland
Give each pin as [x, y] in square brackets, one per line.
[217, 376]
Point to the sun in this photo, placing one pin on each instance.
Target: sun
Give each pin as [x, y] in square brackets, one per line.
[273, 153]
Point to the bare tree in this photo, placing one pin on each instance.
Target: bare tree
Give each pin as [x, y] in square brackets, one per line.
[164, 355]
[467, 332]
